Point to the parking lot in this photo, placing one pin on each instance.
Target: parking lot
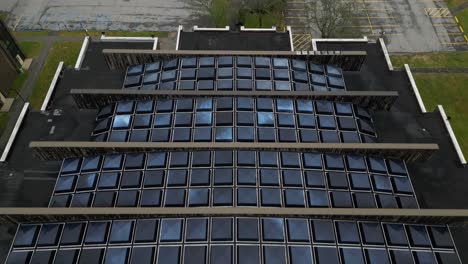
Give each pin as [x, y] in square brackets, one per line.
[406, 25]
[125, 15]
[411, 25]
[447, 25]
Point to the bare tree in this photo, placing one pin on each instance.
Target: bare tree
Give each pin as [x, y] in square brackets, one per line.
[224, 12]
[331, 16]
[203, 7]
[218, 11]
[262, 8]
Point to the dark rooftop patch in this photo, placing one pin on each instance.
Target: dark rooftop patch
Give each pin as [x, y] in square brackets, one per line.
[203, 40]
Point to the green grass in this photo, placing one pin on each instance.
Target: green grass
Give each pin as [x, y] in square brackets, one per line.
[463, 19]
[450, 91]
[274, 18]
[95, 33]
[454, 3]
[432, 60]
[31, 33]
[4, 16]
[66, 51]
[31, 48]
[268, 21]
[218, 13]
[462, 15]
[18, 84]
[4, 117]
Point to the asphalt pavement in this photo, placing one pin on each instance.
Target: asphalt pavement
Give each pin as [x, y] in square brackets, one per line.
[406, 25]
[124, 15]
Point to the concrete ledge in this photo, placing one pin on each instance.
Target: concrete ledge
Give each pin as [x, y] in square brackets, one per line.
[196, 28]
[7, 104]
[272, 29]
[46, 215]
[12, 138]
[415, 89]
[179, 29]
[52, 87]
[26, 64]
[386, 55]
[455, 144]
[349, 40]
[154, 40]
[122, 58]
[81, 57]
[288, 28]
[440, 70]
[57, 150]
[96, 98]
[155, 43]
[2, 98]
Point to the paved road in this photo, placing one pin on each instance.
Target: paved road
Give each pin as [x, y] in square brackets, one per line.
[406, 25]
[138, 15]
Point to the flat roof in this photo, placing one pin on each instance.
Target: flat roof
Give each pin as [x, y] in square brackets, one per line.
[35, 179]
[96, 62]
[233, 40]
[439, 183]
[374, 76]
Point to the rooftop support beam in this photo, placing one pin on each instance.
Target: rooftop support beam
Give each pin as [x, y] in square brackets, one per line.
[120, 59]
[56, 150]
[46, 215]
[96, 98]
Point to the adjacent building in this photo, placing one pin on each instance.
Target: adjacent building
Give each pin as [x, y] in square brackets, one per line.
[11, 60]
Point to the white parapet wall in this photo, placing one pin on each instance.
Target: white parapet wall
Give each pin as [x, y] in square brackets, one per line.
[179, 30]
[153, 40]
[12, 138]
[344, 40]
[272, 29]
[52, 87]
[415, 89]
[386, 55]
[441, 110]
[453, 138]
[288, 28]
[2, 98]
[81, 57]
[196, 28]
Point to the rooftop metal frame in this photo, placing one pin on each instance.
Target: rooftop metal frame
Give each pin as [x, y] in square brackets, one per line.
[121, 58]
[55, 150]
[47, 215]
[96, 98]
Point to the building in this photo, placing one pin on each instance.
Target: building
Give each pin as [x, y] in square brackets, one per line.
[11, 60]
[235, 156]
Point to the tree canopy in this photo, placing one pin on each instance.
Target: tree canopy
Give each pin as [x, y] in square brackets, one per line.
[331, 16]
